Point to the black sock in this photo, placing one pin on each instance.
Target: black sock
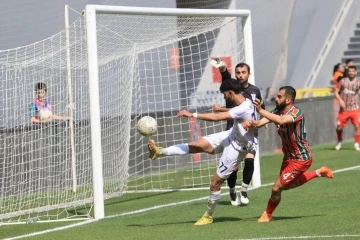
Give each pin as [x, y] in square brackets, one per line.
[231, 181]
[248, 170]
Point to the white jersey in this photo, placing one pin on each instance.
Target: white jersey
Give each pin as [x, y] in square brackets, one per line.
[242, 139]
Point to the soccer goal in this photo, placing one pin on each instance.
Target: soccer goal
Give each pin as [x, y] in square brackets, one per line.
[106, 70]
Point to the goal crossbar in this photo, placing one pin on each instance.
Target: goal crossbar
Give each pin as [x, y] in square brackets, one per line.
[168, 11]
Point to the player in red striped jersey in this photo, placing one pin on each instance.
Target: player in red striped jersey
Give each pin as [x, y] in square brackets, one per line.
[297, 159]
[347, 92]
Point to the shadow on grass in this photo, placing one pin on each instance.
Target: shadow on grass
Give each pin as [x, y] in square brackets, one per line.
[216, 220]
[223, 203]
[280, 218]
[332, 148]
[276, 218]
[228, 203]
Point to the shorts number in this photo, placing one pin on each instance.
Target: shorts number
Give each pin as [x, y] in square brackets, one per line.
[222, 166]
[286, 176]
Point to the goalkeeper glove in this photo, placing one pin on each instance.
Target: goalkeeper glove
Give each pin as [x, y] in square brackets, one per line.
[219, 64]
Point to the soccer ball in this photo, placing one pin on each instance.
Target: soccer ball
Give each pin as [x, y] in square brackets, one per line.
[147, 126]
[45, 114]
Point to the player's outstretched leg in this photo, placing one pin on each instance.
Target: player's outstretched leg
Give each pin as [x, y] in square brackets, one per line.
[154, 151]
[325, 172]
[279, 186]
[199, 146]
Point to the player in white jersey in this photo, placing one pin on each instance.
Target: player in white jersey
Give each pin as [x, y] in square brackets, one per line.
[234, 143]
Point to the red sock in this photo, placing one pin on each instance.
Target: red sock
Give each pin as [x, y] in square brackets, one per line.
[357, 138]
[271, 206]
[306, 176]
[339, 135]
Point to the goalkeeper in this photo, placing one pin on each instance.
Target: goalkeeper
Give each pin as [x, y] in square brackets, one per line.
[41, 110]
[242, 73]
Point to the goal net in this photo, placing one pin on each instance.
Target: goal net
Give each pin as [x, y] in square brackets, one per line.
[146, 64]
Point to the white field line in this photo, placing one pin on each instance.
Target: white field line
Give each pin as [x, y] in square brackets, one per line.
[53, 229]
[169, 205]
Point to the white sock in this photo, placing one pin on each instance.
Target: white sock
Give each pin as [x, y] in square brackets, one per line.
[211, 204]
[178, 149]
[244, 187]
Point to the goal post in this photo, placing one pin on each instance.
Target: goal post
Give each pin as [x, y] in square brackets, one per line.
[91, 30]
[106, 70]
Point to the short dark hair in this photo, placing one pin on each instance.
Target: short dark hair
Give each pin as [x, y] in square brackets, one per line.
[349, 60]
[289, 91]
[40, 86]
[336, 68]
[352, 67]
[242, 64]
[231, 85]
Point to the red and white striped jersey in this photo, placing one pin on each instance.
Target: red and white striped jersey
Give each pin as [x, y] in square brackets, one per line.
[349, 93]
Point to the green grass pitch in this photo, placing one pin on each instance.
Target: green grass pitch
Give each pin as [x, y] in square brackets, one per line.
[321, 209]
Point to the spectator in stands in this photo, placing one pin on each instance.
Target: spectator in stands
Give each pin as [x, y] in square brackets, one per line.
[338, 73]
[349, 62]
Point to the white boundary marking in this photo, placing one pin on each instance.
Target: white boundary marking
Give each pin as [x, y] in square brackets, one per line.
[53, 230]
[179, 203]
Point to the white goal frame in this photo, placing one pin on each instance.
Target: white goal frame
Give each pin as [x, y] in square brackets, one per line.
[93, 70]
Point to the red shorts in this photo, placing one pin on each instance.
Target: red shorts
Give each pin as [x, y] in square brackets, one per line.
[292, 169]
[344, 117]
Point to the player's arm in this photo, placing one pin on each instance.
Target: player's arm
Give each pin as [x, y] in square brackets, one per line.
[337, 90]
[219, 64]
[258, 123]
[225, 75]
[277, 119]
[214, 117]
[218, 108]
